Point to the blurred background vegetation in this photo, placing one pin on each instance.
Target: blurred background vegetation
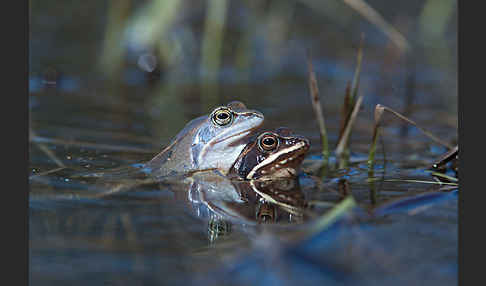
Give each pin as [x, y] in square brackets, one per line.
[111, 82]
[182, 58]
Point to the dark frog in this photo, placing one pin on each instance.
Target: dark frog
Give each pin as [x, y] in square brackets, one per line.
[277, 154]
[211, 141]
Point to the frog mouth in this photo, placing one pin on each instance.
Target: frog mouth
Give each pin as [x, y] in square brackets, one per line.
[283, 163]
[238, 136]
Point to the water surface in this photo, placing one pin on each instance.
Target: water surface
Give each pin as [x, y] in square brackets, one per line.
[121, 229]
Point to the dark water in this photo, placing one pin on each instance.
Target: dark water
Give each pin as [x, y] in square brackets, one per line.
[90, 117]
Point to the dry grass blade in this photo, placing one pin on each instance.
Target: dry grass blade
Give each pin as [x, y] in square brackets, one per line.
[421, 181]
[345, 111]
[343, 142]
[316, 105]
[450, 155]
[444, 176]
[379, 111]
[46, 173]
[119, 187]
[38, 139]
[357, 72]
[448, 188]
[425, 132]
[378, 114]
[374, 17]
[43, 148]
[351, 91]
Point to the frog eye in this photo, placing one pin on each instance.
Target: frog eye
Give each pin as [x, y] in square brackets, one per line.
[268, 142]
[222, 117]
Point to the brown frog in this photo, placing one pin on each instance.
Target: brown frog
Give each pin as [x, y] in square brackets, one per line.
[271, 155]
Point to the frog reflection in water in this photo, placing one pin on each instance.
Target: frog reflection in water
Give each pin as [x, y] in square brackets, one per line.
[266, 181]
[262, 202]
[211, 141]
[271, 155]
[247, 202]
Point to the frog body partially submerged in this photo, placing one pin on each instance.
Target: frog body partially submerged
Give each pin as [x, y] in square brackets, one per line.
[273, 154]
[211, 141]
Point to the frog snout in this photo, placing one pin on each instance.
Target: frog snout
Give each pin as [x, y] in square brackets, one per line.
[300, 139]
[253, 113]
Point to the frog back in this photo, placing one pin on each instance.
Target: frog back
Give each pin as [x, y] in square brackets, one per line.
[177, 157]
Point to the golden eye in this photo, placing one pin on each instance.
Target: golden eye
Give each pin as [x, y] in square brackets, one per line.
[268, 142]
[222, 117]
